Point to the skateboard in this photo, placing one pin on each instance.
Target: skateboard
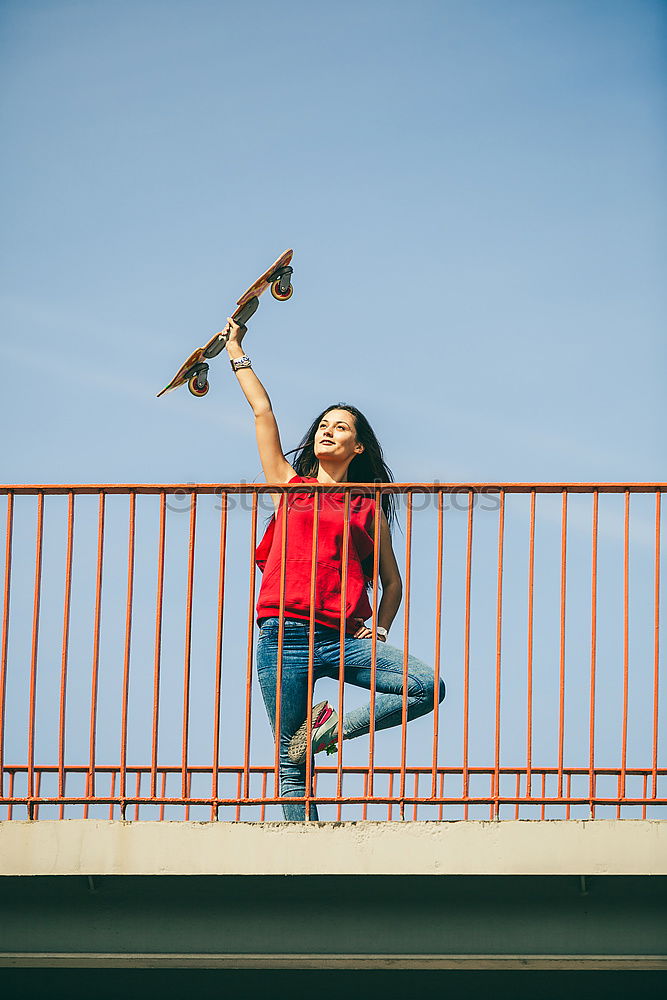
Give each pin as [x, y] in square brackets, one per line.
[194, 371]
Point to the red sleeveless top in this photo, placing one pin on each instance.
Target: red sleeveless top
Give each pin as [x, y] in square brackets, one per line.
[300, 508]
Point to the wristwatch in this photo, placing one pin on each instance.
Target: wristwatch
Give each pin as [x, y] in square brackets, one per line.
[243, 362]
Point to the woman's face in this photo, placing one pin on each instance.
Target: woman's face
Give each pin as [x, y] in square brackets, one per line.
[336, 437]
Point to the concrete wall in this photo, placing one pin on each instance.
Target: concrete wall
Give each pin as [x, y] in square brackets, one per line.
[98, 847]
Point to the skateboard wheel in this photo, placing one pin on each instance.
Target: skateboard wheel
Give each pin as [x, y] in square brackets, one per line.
[277, 294]
[195, 390]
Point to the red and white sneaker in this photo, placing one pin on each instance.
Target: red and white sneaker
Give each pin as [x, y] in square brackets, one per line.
[324, 733]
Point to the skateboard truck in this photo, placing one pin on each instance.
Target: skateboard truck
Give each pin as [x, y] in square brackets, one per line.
[197, 377]
[281, 287]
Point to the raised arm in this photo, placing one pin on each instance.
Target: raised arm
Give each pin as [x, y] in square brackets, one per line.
[276, 467]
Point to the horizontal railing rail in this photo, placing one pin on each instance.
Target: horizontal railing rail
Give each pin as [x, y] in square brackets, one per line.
[127, 654]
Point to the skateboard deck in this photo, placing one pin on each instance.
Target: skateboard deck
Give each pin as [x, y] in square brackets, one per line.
[194, 370]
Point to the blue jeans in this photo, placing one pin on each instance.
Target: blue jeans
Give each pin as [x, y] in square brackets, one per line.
[357, 662]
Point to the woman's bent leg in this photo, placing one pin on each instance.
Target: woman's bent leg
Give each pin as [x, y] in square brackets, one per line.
[388, 683]
[293, 702]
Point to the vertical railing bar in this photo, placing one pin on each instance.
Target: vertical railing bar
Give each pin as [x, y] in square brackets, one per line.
[390, 796]
[137, 793]
[342, 781]
[441, 795]
[406, 645]
[90, 791]
[61, 795]
[284, 505]
[544, 792]
[438, 643]
[656, 643]
[158, 643]
[262, 811]
[163, 793]
[377, 540]
[112, 792]
[188, 794]
[35, 641]
[10, 807]
[415, 804]
[626, 632]
[239, 778]
[563, 587]
[517, 794]
[529, 666]
[311, 652]
[568, 794]
[188, 643]
[215, 764]
[250, 645]
[128, 642]
[364, 809]
[65, 645]
[5, 634]
[495, 807]
[594, 586]
[38, 789]
[644, 793]
[341, 654]
[466, 652]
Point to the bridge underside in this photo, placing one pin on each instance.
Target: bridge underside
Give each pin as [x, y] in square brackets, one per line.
[335, 922]
[351, 896]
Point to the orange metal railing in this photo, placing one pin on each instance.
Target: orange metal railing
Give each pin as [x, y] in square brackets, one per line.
[127, 684]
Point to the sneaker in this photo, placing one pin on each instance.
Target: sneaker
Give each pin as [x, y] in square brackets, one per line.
[324, 733]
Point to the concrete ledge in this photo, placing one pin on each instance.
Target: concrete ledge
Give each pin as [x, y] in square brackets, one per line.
[508, 847]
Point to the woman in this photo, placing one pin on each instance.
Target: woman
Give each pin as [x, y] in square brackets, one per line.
[339, 442]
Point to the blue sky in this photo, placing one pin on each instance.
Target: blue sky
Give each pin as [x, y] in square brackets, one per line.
[475, 194]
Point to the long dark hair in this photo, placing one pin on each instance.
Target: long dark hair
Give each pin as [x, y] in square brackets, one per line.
[369, 467]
